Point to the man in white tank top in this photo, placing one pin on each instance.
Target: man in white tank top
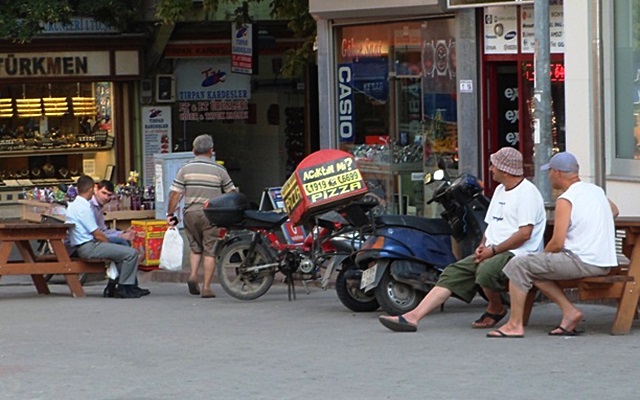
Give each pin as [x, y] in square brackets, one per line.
[583, 244]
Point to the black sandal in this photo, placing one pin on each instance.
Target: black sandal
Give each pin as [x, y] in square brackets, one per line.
[495, 317]
[194, 288]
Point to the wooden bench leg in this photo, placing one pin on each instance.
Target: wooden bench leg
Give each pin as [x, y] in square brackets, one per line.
[40, 284]
[627, 309]
[528, 305]
[74, 285]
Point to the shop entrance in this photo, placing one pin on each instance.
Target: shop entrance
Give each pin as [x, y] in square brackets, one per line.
[507, 109]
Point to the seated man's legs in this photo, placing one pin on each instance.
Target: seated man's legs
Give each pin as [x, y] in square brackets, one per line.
[119, 240]
[458, 278]
[492, 280]
[126, 258]
[542, 270]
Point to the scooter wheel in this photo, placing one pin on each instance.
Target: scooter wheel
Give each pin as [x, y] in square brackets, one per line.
[352, 297]
[396, 298]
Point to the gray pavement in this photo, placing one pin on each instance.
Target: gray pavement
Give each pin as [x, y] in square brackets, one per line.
[171, 345]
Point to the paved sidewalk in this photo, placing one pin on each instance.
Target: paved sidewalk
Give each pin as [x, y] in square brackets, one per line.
[171, 345]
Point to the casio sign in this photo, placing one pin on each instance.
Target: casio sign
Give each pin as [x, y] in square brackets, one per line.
[345, 104]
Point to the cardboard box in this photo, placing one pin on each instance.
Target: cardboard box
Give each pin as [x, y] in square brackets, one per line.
[148, 241]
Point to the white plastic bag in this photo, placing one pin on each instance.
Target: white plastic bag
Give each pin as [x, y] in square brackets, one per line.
[171, 253]
[112, 271]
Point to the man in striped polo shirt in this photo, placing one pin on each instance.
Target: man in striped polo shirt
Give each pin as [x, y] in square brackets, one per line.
[199, 180]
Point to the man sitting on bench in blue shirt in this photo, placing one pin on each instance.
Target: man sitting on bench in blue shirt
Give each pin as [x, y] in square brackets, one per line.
[89, 241]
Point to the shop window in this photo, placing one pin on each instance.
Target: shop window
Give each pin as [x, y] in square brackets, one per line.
[627, 86]
[396, 105]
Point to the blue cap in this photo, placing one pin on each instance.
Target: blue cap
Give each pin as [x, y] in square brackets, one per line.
[564, 162]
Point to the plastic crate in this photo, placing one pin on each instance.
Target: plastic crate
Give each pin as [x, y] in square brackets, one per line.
[148, 242]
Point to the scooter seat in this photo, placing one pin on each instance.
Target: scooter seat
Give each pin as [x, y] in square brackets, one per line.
[431, 226]
[263, 219]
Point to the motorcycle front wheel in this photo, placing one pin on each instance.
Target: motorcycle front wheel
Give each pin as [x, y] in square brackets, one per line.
[235, 280]
[396, 298]
[352, 297]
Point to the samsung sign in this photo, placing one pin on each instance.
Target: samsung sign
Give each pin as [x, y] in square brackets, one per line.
[345, 104]
[451, 4]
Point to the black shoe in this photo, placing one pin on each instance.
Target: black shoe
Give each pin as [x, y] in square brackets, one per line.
[110, 289]
[126, 292]
[138, 289]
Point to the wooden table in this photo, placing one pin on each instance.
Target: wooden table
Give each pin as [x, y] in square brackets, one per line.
[19, 234]
[33, 210]
[628, 301]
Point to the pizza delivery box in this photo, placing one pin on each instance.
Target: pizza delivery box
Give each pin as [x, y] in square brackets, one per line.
[324, 180]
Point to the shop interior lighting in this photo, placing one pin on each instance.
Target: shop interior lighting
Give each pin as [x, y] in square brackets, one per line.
[28, 108]
[6, 108]
[84, 106]
[55, 106]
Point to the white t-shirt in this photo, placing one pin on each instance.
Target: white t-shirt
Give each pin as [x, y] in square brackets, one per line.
[591, 233]
[511, 209]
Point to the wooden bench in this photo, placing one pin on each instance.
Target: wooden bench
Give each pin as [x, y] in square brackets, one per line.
[18, 236]
[620, 284]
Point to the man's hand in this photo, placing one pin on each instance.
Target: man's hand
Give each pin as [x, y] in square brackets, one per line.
[482, 253]
[129, 235]
[172, 220]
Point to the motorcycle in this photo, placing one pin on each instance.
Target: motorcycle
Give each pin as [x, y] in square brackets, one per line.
[253, 249]
[405, 255]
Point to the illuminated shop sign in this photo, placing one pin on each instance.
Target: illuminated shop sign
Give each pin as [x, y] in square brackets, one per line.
[556, 71]
[355, 49]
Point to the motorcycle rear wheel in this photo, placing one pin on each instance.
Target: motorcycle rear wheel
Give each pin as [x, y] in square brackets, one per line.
[352, 297]
[396, 298]
[239, 284]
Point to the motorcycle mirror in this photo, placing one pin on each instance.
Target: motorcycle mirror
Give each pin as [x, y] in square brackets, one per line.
[438, 175]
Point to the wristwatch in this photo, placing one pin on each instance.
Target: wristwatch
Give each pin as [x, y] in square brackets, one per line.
[169, 214]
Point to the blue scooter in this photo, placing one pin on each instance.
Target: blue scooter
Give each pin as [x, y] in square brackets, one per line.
[404, 257]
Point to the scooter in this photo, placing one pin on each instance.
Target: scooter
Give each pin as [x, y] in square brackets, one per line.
[405, 256]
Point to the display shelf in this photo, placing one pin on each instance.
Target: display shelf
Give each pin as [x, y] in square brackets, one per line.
[52, 151]
[388, 168]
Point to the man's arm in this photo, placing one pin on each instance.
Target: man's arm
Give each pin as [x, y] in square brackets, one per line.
[98, 213]
[614, 208]
[129, 234]
[517, 239]
[99, 236]
[174, 199]
[560, 226]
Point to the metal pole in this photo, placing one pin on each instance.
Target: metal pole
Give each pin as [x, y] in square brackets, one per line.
[598, 97]
[542, 99]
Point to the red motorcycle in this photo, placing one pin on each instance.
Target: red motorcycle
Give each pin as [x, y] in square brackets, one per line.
[255, 247]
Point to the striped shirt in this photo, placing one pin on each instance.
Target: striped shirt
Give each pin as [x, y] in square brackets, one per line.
[199, 180]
